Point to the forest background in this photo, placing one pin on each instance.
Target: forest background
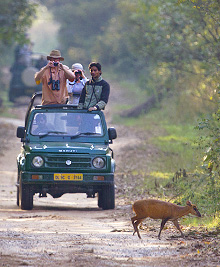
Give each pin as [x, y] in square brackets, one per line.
[165, 55]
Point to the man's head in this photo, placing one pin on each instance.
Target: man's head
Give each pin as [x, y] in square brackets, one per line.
[95, 70]
[55, 55]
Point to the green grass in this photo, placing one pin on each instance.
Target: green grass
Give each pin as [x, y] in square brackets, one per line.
[178, 146]
[209, 222]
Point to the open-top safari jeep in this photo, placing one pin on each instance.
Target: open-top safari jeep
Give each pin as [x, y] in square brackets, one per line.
[65, 150]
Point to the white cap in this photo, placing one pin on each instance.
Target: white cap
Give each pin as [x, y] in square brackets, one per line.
[77, 66]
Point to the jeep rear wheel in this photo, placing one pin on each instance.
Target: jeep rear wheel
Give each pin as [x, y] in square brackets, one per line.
[108, 197]
[25, 197]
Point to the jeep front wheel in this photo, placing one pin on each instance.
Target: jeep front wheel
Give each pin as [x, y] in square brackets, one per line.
[18, 180]
[25, 197]
[108, 197]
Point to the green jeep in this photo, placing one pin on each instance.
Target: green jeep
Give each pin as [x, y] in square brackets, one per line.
[65, 150]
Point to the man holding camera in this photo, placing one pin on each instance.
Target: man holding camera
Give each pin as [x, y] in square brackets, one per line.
[53, 77]
[75, 88]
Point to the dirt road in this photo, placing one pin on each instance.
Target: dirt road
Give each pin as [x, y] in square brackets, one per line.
[73, 231]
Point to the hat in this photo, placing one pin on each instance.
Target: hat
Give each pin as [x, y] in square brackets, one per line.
[55, 54]
[77, 66]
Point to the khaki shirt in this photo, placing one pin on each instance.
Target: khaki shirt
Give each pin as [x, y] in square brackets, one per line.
[50, 96]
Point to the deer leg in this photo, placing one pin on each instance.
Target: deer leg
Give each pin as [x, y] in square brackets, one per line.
[175, 222]
[162, 226]
[136, 226]
[136, 222]
[133, 219]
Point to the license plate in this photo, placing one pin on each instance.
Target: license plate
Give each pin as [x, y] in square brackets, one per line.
[68, 176]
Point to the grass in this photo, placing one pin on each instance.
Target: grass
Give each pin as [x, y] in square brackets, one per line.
[178, 147]
[211, 223]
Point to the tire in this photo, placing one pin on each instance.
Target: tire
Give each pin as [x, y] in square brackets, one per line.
[17, 196]
[108, 197]
[100, 199]
[25, 197]
[18, 181]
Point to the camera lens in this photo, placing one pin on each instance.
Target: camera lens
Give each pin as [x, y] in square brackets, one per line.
[55, 64]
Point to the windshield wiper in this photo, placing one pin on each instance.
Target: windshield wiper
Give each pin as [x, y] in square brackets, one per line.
[51, 132]
[87, 133]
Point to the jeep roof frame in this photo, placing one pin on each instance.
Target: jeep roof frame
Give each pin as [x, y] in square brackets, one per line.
[52, 106]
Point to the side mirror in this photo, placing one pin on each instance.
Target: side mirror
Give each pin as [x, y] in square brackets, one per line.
[20, 132]
[112, 133]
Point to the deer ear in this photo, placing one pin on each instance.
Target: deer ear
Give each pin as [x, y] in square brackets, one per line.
[189, 203]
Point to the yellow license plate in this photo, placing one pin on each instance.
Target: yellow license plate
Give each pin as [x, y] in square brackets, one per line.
[68, 176]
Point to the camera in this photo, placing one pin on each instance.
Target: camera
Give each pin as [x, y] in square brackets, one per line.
[78, 72]
[55, 84]
[55, 64]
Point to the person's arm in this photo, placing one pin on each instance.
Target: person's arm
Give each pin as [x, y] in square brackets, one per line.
[84, 80]
[68, 73]
[38, 75]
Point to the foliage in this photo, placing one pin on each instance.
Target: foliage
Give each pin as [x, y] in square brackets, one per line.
[154, 45]
[81, 25]
[43, 32]
[15, 18]
[172, 140]
[162, 44]
[178, 46]
[210, 142]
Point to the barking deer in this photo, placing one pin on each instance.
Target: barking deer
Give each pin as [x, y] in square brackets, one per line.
[157, 209]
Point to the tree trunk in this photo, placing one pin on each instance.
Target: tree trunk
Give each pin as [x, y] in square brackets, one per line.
[145, 107]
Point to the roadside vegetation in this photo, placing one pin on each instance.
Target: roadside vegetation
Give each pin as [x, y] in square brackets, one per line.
[181, 169]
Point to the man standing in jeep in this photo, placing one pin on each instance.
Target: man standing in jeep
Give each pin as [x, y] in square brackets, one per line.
[53, 77]
[95, 94]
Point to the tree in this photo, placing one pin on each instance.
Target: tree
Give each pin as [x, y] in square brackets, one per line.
[15, 18]
[167, 46]
[82, 22]
[164, 34]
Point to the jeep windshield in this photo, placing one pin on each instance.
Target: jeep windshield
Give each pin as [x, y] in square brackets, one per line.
[66, 124]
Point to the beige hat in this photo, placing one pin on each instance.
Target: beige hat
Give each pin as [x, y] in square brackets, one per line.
[77, 66]
[55, 54]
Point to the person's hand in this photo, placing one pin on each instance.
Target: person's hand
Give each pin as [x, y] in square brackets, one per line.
[83, 75]
[50, 64]
[92, 108]
[61, 66]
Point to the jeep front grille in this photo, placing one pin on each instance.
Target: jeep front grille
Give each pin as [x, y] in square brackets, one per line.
[64, 161]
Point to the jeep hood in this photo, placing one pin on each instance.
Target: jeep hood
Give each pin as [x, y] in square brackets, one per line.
[67, 147]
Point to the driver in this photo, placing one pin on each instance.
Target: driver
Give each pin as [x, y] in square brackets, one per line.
[41, 121]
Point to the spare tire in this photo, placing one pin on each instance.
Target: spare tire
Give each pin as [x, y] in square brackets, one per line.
[27, 76]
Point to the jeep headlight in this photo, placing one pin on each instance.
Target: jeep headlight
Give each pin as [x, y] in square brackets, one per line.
[98, 163]
[38, 161]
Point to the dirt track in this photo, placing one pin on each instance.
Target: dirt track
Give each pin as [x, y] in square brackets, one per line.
[73, 231]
